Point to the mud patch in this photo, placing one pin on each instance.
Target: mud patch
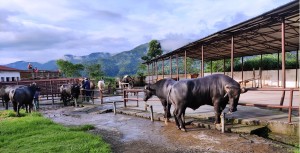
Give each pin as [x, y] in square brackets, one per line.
[133, 134]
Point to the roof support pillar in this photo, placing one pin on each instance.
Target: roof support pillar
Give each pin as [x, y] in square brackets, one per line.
[202, 61]
[171, 67]
[152, 72]
[211, 67]
[224, 65]
[278, 69]
[297, 67]
[156, 70]
[242, 69]
[232, 51]
[177, 67]
[148, 74]
[185, 75]
[163, 68]
[283, 59]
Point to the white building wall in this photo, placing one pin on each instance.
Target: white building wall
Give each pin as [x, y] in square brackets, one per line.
[269, 77]
[8, 76]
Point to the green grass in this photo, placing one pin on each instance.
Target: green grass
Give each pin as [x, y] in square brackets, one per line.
[34, 133]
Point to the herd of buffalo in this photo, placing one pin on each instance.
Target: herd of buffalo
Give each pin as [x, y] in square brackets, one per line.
[216, 90]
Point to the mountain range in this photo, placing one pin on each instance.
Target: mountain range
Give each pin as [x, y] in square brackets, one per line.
[123, 63]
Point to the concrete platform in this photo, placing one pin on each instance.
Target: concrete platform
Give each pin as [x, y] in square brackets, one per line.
[276, 121]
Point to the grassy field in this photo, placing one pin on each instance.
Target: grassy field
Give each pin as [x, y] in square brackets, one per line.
[34, 133]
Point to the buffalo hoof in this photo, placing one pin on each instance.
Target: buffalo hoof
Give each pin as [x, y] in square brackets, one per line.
[184, 130]
[166, 121]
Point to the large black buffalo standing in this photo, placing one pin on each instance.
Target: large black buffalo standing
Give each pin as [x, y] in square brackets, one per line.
[160, 89]
[216, 90]
[22, 96]
[4, 93]
[68, 92]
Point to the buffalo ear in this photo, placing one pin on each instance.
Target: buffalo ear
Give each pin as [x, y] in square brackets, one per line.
[227, 88]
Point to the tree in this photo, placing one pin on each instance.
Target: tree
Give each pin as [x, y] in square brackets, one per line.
[153, 51]
[69, 69]
[94, 71]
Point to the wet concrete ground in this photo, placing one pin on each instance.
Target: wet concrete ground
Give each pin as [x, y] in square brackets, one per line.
[129, 134]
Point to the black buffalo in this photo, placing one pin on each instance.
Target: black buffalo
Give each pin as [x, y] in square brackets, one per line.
[4, 93]
[215, 90]
[69, 92]
[22, 95]
[160, 89]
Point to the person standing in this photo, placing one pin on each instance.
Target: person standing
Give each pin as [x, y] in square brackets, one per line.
[36, 98]
[87, 86]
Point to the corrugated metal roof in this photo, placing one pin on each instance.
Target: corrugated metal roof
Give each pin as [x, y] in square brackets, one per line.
[5, 68]
[259, 35]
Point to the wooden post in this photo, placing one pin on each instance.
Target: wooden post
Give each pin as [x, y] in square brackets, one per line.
[202, 61]
[148, 73]
[124, 96]
[137, 98]
[115, 107]
[232, 52]
[297, 67]
[152, 72]
[177, 67]
[163, 68]
[290, 106]
[278, 69]
[223, 122]
[283, 60]
[156, 70]
[171, 66]
[185, 64]
[51, 89]
[224, 65]
[46, 90]
[210, 67]
[243, 69]
[151, 113]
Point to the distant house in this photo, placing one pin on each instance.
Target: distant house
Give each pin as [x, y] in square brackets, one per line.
[9, 74]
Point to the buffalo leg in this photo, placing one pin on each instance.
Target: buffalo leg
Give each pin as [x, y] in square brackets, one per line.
[15, 106]
[176, 119]
[6, 105]
[167, 108]
[179, 118]
[26, 107]
[18, 110]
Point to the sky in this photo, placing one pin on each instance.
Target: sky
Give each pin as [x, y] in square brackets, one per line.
[44, 30]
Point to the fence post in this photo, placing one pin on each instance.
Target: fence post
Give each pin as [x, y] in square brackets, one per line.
[124, 96]
[137, 99]
[51, 89]
[115, 108]
[223, 122]
[290, 106]
[151, 113]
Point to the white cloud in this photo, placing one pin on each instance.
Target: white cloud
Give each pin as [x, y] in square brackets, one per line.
[33, 28]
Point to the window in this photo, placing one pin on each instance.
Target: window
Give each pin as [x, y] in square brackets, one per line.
[2, 79]
[13, 79]
[7, 79]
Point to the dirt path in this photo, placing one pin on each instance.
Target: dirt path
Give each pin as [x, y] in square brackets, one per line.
[128, 134]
